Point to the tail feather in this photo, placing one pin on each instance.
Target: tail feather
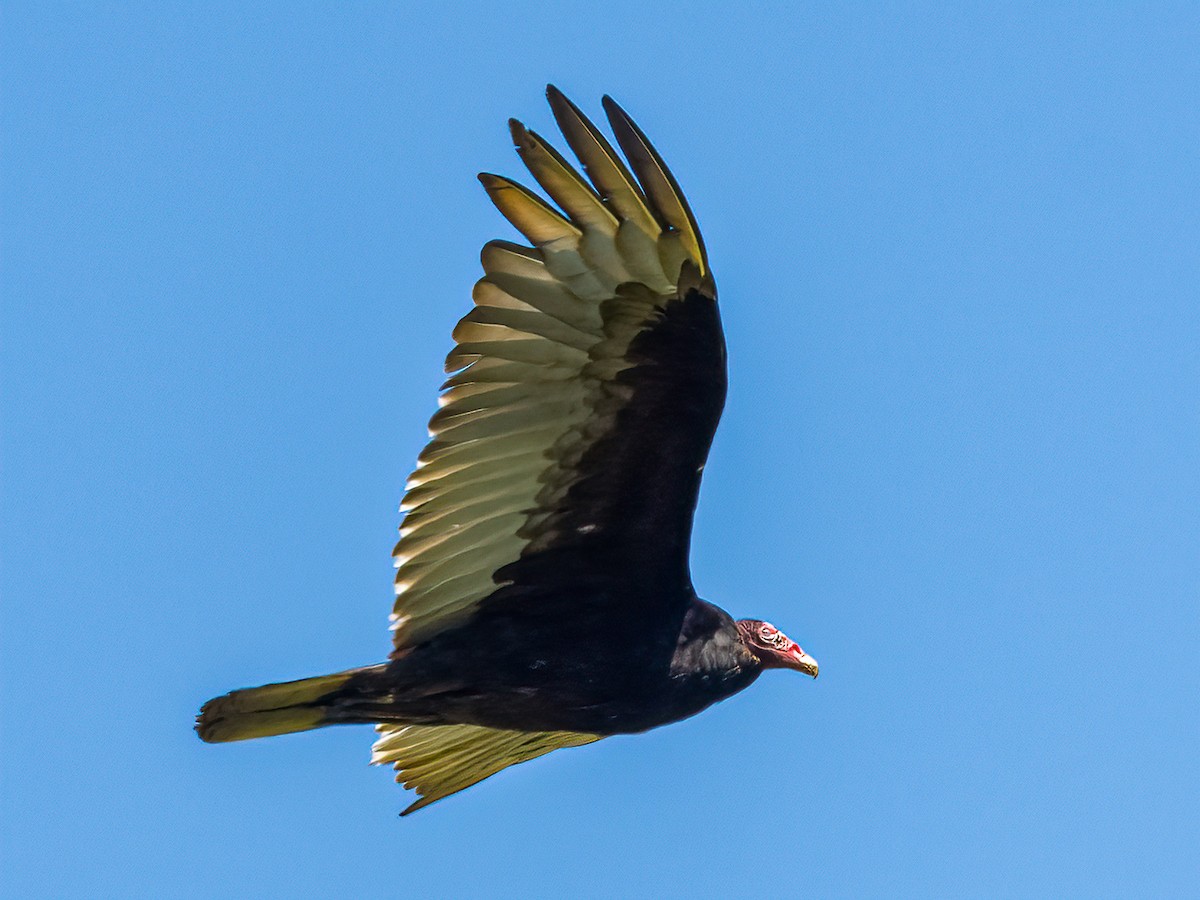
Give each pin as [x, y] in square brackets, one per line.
[271, 709]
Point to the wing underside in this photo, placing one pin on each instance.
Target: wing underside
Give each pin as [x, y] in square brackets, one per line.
[584, 386]
[437, 761]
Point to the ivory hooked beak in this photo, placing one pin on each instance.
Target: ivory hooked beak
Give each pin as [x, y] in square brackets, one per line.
[801, 661]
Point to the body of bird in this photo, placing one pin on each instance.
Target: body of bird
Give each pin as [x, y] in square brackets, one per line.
[563, 682]
[543, 591]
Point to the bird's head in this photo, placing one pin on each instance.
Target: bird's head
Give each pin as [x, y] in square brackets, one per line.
[774, 649]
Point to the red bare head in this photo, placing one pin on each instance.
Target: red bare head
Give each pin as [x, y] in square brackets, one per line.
[774, 649]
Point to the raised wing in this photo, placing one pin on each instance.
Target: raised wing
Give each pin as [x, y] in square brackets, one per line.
[439, 760]
[586, 386]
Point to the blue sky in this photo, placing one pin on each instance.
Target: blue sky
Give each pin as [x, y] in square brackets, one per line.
[957, 254]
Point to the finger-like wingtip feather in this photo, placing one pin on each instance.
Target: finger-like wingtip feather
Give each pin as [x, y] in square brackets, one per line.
[529, 213]
[657, 181]
[560, 180]
[602, 163]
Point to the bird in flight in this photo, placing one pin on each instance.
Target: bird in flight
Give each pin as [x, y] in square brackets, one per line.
[543, 596]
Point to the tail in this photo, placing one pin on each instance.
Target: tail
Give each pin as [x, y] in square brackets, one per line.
[273, 708]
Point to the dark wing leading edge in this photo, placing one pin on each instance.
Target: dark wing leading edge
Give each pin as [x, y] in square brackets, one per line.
[586, 386]
[565, 460]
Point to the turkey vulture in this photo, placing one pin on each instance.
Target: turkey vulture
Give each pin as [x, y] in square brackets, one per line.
[543, 597]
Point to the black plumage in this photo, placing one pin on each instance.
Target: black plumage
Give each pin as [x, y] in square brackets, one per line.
[543, 592]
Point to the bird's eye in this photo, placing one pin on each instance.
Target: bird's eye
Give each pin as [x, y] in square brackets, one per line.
[767, 632]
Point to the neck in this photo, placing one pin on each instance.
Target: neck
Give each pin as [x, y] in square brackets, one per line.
[709, 642]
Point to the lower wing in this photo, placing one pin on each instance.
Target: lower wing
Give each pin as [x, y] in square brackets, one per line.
[439, 760]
